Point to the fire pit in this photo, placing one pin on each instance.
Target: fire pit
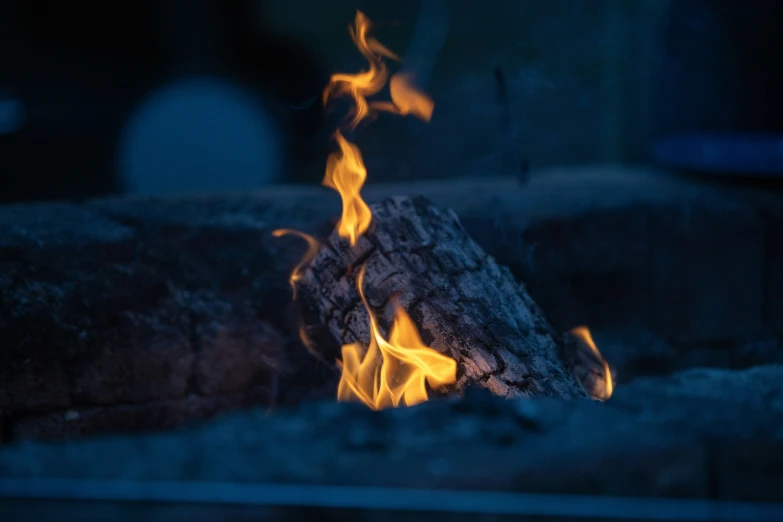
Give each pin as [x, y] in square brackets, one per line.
[129, 322]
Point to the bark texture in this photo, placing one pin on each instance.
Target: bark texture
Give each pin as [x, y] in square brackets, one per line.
[465, 304]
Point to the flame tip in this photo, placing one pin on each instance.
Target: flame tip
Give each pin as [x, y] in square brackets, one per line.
[583, 333]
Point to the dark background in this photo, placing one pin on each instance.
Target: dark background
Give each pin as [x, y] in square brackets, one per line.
[230, 88]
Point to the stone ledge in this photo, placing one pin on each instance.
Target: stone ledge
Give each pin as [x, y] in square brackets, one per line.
[699, 434]
[113, 301]
[604, 245]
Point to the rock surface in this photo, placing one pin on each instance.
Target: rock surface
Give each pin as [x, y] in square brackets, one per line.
[700, 433]
[134, 302]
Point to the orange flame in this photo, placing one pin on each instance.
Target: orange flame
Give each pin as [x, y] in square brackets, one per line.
[312, 249]
[583, 333]
[366, 83]
[345, 173]
[406, 99]
[395, 372]
[296, 274]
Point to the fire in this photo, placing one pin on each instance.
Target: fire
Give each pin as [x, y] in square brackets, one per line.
[366, 83]
[345, 173]
[406, 99]
[583, 333]
[395, 372]
[312, 249]
[409, 100]
[313, 246]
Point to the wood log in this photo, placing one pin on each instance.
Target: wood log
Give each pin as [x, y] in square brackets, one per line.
[587, 366]
[465, 304]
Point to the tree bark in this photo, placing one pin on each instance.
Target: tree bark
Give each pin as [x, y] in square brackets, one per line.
[465, 304]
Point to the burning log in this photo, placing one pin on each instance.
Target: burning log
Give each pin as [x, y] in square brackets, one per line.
[467, 307]
[588, 365]
[483, 327]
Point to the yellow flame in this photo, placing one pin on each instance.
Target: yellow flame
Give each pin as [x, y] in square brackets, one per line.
[406, 99]
[365, 83]
[296, 274]
[583, 333]
[345, 173]
[395, 372]
[312, 249]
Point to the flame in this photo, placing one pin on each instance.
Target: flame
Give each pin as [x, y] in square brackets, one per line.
[583, 333]
[345, 173]
[313, 246]
[394, 372]
[406, 99]
[312, 249]
[365, 83]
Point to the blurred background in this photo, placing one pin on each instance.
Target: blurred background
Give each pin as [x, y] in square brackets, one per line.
[182, 96]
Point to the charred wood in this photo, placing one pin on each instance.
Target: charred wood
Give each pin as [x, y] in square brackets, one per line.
[466, 305]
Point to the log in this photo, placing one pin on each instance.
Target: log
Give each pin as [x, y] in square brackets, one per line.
[465, 304]
[588, 366]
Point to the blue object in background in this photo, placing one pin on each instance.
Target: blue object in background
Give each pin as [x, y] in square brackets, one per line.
[196, 136]
[12, 114]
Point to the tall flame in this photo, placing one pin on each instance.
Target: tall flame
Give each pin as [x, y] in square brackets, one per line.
[583, 333]
[345, 173]
[395, 372]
